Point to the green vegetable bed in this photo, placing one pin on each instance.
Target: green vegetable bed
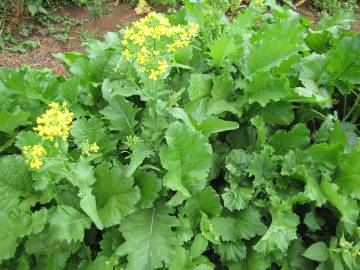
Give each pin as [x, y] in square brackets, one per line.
[187, 142]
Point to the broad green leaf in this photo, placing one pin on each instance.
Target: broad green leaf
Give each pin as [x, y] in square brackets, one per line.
[314, 78]
[222, 48]
[242, 225]
[150, 240]
[297, 137]
[82, 175]
[244, 20]
[347, 207]
[281, 231]
[264, 88]
[91, 131]
[198, 246]
[139, 153]
[24, 138]
[118, 87]
[9, 121]
[231, 251]
[200, 86]
[253, 261]
[187, 159]
[261, 130]
[263, 166]
[121, 114]
[343, 61]
[276, 113]
[341, 20]
[15, 181]
[348, 174]
[208, 231]
[88, 204]
[150, 186]
[66, 223]
[294, 259]
[313, 221]
[224, 86]
[237, 198]
[101, 262]
[114, 192]
[317, 252]
[274, 45]
[292, 165]
[13, 226]
[215, 125]
[206, 201]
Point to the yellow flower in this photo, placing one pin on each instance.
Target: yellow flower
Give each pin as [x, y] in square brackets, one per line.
[153, 74]
[34, 155]
[126, 53]
[259, 3]
[55, 122]
[163, 65]
[94, 148]
[152, 40]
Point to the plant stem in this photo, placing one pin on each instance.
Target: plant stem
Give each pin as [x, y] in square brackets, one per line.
[353, 108]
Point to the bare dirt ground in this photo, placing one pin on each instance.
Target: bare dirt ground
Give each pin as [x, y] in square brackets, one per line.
[43, 55]
[120, 15]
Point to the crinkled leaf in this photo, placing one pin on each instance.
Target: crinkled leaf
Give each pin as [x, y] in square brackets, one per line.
[264, 88]
[82, 175]
[281, 231]
[15, 181]
[9, 121]
[263, 166]
[116, 197]
[348, 174]
[66, 223]
[149, 185]
[149, 238]
[91, 131]
[139, 153]
[200, 86]
[237, 198]
[187, 158]
[231, 251]
[121, 114]
[297, 137]
[206, 201]
[221, 48]
[347, 207]
[274, 45]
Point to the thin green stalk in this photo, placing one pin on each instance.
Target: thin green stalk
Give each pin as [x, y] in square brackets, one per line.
[353, 108]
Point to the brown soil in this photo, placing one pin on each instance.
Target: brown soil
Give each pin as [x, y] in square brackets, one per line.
[43, 55]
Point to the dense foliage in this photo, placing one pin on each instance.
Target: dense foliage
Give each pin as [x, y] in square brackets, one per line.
[241, 153]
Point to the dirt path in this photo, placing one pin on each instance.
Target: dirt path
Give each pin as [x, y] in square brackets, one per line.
[43, 55]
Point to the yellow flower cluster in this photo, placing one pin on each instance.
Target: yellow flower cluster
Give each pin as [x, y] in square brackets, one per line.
[34, 155]
[55, 122]
[356, 253]
[88, 148]
[151, 40]
[259, 3]
[94, 148]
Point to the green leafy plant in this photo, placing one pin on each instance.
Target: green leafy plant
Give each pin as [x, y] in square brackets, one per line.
[187, 142]
[331, 6]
